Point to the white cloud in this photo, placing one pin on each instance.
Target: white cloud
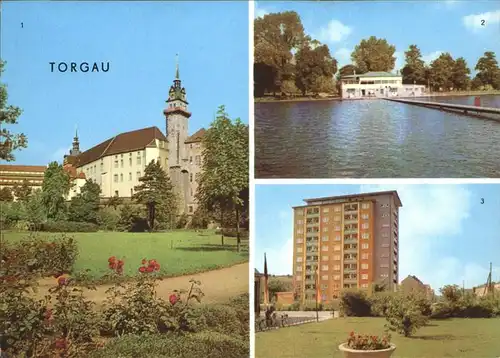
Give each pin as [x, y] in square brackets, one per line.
[431, 56]
[478, 22]
[59, 154]
[260, 11]
[343, 56]
[334, 31]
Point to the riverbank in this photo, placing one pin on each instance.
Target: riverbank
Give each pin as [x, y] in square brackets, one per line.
[269, 99]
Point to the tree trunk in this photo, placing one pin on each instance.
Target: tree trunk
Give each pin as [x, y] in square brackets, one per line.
[222, 224]
[238, 239]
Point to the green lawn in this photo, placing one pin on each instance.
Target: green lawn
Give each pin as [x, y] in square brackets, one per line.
[475, 338]
[178, 252]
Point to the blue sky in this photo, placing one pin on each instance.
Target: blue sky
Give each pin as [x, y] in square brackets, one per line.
[434, 26]
[140, 40]
[446, 235]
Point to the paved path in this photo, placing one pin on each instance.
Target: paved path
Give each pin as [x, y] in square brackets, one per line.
[218, 285]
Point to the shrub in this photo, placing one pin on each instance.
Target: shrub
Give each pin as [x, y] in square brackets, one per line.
[404, 314]
[379, 302]
[132, 219]
[182, 221]
[204, 344]
[355, 303]
[108, 218]
[294, 306]
[442, 310]
[68, 226]
[217, 318]
[368, 342]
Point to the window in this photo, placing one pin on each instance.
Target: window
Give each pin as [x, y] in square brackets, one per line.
[365, 206]
[337, 228]
[384, 265]
[364, 256]
[324, 258]
[115, 178]
[324, 248]
[129, 176]
[365, 235]
[300, 222]
[384, 205]
[364, 226]
[299, 259]
[336, 218]
[325, 229]
[324, 277]
[191, 177]
[138, 175]
[197, 160]
[364, 276]
[121, 162]
[325, 210]
[384, 215]
[336, 277]
[336, 267]
[337, 209]
[364, 246]
[324, 238]
[116, 193]
[336, 248]
[138, 158]
[385, 245]
[299, 248]
[324, 267]
[337, 238]
[190, 160]
[300, 231]
[102, 166]
[325, 220]
[300, 240]
[299, 268]
[131, 192]
[364, 266]
[336, 257]
[385, 225]
[364, 216]
[116, 163]
[121, 177]
[190, 207]
[384, 255]
[298, 278]
[364, 285]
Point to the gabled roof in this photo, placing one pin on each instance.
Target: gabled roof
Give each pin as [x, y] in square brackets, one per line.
[121, 143]
[196, 137]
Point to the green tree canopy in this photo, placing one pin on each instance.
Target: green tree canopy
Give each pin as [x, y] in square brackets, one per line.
[55, 188]
[414, 69]
[460, 74]
[224, 177]
[441, 72]
[374, 54]
[314, 69]
[8, 115]
[156, 193]
[34, 209]
[85, 206]
[6, 194]
[23, 191]
[488, 71]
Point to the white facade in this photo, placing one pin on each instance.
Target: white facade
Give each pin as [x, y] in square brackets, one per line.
[378, 84]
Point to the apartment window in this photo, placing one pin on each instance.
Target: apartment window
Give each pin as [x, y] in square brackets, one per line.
[116, 163]
[138, 175]
[129, 176]
[364, 216]
[384, 255]
[385, 225]
[385, 245]
[385, 234]
[324, 248]
[299, 249]
[130, 161]
[337, 209]
[364, 226]
[191, 177]
[364, 256]
[299, 268]
[325, 229]
[121, 177]
[365, 206]
[115, 178]
[384, 205]
[190, 160]
[190, 208]
[384, 215]
[139, 158]
[324, 258]
[324, 238]
[324, 267]
[364, 285]
[364, 276]
[384, 275]
[102, 166]
[384, 265]
[300, 231]
[131, 192]
[300, 222]
[364, 266]
[121, 162]
[365, 235]
[196, 175]
[337, 238]
[337, 228]
[336, 268]
[325, 210]
[197, 160]
[336, 257]
[325, 220]
[364, 246]
[299, 259]
[336, 248]
[298, 278]
[299, 212]
[300, 241]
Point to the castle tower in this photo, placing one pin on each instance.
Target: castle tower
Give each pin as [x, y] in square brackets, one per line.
[176, 116]
[76, 145]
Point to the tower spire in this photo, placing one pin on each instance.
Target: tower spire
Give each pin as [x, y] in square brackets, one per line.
[177, 66]
[75, 150]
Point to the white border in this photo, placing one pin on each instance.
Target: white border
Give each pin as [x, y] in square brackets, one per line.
[251, 275]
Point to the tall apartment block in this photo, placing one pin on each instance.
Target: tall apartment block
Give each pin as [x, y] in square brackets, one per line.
[345, 242]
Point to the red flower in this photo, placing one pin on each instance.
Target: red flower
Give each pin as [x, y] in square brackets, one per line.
[120, 263]
[62, 281]
[48, 314]
[149, 269]
[142, 269]
[144, 261]
[112, 259]
[173, 298]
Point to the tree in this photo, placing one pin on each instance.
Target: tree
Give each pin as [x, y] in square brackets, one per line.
[314, 69]
[441, 72]
[22, 192]
[114, 202]
[404, 314]
[55, 188]
[374, 55]
[451, 293]
[6, 194]
[460, 74]
[224, 177]
[35, 210]
[275, 35]
[9, 114]
[414, 70]
[85, 206]
[155, 192]
[347, 70]
[488, 71]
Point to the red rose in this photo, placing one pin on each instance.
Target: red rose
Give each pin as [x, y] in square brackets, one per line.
[144, 261]
[149, 269]
[157, 267]
[120, 263]
[62, 281]
[112, 259]
[173, 299]
[142, 269]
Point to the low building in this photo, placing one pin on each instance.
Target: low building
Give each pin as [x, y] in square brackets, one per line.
[413, 284]
[285, 298]
[15, 175]
[482, 290]
[378, 84]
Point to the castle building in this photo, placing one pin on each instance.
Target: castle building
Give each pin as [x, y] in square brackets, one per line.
[117, 163]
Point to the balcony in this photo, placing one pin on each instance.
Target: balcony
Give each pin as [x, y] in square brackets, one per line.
[351, 221]
[350, 231]
[351, 280]
[350, 260]
[350, 241]
[351, 250]
[350, 270]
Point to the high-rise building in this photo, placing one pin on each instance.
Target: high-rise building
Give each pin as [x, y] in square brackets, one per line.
[345, 242]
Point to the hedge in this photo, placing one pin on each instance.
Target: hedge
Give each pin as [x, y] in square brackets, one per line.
[68, 226]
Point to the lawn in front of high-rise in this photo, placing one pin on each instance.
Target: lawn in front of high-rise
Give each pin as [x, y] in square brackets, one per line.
[457, 337]
[179, 252]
